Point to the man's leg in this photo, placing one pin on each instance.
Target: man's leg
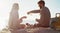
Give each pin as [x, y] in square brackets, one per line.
[40, 24]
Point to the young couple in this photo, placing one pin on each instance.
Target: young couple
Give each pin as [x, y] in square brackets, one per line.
[14, 21]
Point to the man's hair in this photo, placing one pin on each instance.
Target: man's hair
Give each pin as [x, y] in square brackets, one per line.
[41, 2]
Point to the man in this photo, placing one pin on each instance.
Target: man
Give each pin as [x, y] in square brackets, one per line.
[45, 15]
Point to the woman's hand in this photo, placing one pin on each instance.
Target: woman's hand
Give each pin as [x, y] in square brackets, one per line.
[23, 17]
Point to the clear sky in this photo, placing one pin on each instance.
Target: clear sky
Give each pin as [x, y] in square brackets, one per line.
[24, 7]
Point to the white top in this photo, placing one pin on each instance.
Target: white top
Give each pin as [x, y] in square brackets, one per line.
[13, 19]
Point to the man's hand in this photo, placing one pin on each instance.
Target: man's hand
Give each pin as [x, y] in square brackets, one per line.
[38, 20]
[28, 12]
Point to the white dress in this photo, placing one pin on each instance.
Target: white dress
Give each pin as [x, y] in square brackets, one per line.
[13, 19]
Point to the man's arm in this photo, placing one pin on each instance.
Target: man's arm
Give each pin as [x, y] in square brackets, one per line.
[34, 11]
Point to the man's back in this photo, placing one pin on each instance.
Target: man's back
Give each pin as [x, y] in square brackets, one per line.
[45, 16]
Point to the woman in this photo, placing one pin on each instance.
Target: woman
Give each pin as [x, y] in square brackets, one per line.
[14, 21]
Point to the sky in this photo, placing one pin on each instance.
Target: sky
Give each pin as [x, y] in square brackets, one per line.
[24, 7]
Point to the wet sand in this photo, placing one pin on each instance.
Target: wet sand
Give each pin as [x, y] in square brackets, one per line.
[38, 30]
